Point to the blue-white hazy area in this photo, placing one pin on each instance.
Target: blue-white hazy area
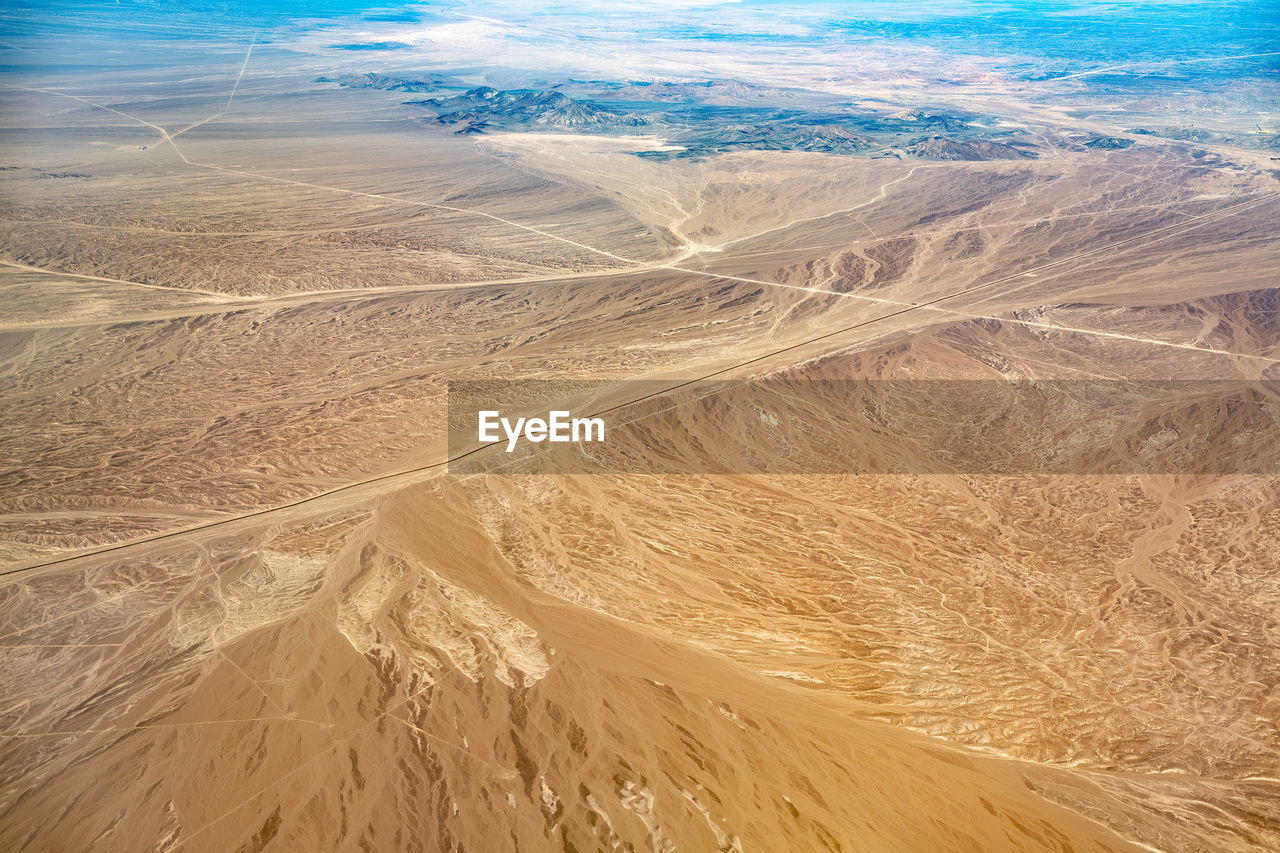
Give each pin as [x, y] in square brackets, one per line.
[786, 75]
[1084, 31]
[1180, 42]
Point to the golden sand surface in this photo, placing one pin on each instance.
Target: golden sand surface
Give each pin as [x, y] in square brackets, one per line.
[245, 607]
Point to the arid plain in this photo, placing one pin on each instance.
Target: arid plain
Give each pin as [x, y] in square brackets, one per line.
[245, 605]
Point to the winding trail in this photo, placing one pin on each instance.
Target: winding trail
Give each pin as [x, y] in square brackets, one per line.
[225, 106]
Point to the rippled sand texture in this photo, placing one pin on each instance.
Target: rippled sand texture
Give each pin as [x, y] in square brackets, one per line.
[246, 609]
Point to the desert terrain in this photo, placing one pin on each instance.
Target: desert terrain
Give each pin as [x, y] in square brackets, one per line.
[248, 601]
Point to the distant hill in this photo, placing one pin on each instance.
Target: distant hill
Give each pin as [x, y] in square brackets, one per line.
[428, 83]
[545, 109]
[1108, 143]
[942, 148]
[932, 121]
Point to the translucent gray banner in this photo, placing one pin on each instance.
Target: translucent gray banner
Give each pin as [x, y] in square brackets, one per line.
[778, 426]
